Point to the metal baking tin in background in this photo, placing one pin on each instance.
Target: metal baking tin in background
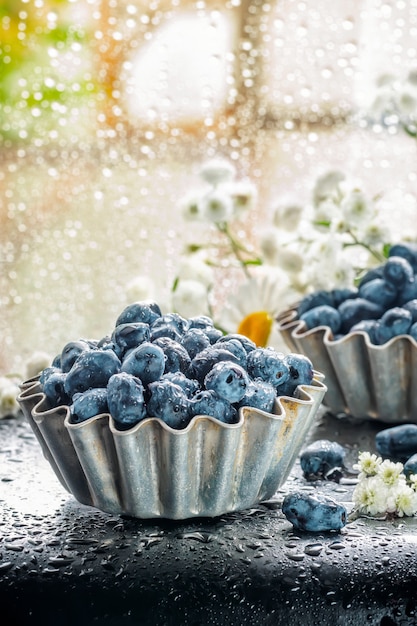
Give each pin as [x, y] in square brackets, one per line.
[363, 380]
[152, 470]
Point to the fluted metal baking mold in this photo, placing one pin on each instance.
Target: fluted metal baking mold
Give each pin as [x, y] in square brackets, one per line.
[363, 380]
[152, 470]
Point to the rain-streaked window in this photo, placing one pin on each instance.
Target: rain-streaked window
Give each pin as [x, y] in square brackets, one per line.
[109, 109]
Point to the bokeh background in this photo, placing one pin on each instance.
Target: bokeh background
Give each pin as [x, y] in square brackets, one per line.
[109, 108]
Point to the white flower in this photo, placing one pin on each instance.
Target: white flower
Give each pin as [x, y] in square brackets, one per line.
[195, 268]
[356, 208]
[326, 211]
[374, 233]
[265, 294]
[412, 480]
[190, 207]
[9, 391]
[190, 298]
[217, 171]
[140, 288]
[368, 464]
[288, 217]
[327, 187]
[270, 245]
[36, 363]
[216, 206]
[370, 495]
[405, 500]
[390, 472]
[243, 195]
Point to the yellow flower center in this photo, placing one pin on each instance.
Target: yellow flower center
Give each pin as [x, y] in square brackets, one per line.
[256, 326]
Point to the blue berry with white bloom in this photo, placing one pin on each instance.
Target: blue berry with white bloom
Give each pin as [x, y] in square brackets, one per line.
[398, 442]
[268, 365]
[126, 399]
[321, 457]
[128, 336]
[70, 353]
[93, 368]
[398, 271]
[300, 372]
[147, 362]
[146, 312]
[177, 358]
[53, 386]
[229, 380]
[208, 402]
[314, 512]
[190, 386]
[169, 403]
[88, 404]
[194, 341]
[379, 291]
[394, 322]
[203, 362]
[323, 315]
[259, 395]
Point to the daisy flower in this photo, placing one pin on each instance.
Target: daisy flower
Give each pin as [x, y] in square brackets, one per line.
[405, 500]
[9, 390]
[390, 472]
[370, 496]
[217, 171]
[368, 464]
[253, 308]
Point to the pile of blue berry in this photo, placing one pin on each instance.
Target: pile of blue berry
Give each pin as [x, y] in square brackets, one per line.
[384, 305]
[169, 367]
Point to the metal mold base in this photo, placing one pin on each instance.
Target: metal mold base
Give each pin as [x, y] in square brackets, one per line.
[152, 470]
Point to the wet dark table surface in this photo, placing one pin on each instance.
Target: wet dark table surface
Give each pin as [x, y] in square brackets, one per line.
[64, 563]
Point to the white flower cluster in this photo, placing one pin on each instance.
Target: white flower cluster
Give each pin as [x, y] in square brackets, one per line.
[383, 488]
[9, 390]
[328, 243]
[395, 103]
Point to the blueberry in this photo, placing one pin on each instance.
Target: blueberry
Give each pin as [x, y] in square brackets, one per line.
[394, 322]
[371, 274]
[146, 312]
[342, 294]
[169, 403]
[56, 362]
[411, 306]
[87, 404]
[314, 512]
[208, 402]
[194, 341]
[205, 323]
[259, 395]
[93, 368]
[147, 362]
[322, 315]
[413, 331]
[190, 386]
[407, 292]
[268, 365]
[127, 336]
[47, 372]
[247, 343]
[407, 251]
[53, 387]
[354, 311]
[300, 372]
[322, 456]
[398, 271]
[171, 320]
[410, 466]
[228, 379]
[235, 347]
[203, 362]
[317, 298]
[367, 326]
[125, 397]
[70, 353]
[379, 291]
[399, 442]
[165, 330]
[177, 358]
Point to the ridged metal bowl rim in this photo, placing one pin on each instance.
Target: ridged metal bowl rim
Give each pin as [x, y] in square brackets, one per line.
[151, 470]
[364, 380]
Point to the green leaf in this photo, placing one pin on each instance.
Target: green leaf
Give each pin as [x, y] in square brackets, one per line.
[253, 262]
[325, 223]
[385, 250]
[175, 284]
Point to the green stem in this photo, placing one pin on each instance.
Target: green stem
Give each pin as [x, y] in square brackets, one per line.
[235, 245]
[379, 257]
